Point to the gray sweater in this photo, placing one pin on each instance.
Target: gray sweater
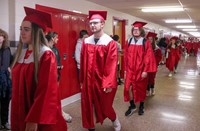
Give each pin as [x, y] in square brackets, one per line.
[78, 52]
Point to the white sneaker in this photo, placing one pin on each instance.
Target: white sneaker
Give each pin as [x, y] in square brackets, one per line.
[148, 93]
[153, 92]
[117, 125]
[170, 74]
[67, 117]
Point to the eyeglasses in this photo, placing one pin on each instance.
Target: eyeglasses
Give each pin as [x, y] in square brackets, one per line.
[93, 23]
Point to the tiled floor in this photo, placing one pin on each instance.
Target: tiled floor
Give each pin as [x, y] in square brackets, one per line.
[175, 107]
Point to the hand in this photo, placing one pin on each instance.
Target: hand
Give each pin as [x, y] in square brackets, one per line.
[31, 126]
[81, 84]
[124, 75]
[144, 74]
[107, 90]
[9, 70]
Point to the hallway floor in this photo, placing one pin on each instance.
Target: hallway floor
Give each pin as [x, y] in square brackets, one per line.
[175, 107]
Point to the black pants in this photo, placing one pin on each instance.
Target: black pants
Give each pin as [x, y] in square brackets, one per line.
[4, 108]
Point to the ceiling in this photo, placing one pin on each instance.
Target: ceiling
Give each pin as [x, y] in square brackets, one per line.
[133, 7]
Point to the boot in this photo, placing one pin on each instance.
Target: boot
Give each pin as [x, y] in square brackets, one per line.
[141, 108]
[131, 108]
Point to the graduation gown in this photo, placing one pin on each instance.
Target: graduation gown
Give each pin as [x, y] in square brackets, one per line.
[158, 57]
[138, 58]
[98, 71]
[173, 58]
[37, 103]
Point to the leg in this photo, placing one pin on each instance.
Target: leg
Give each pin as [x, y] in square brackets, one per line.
[152, 90]
[141, 108]
[4, 110]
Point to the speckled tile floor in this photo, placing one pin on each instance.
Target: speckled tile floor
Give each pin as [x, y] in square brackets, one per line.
[175, 107]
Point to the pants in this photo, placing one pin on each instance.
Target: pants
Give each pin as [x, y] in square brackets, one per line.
[4, 108]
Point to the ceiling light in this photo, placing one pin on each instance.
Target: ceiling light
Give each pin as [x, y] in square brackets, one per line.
[189, 29]
[162, 9]
[185, 26]
[178, 21]
[196, 34]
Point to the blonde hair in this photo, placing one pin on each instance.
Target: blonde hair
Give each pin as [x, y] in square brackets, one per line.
[38, 39]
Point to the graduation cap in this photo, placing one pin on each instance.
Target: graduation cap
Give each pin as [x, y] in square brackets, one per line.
[97, 14]
[151, 34]
[174, 38]
[42, 19]
[139, 24]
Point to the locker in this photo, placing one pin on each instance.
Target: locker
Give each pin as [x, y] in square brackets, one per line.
[68, 25]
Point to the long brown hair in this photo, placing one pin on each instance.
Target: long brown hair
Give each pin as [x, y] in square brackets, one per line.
[6, 41]
[38, 39]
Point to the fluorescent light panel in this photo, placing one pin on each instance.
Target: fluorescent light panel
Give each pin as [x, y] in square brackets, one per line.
[162, 9]
[185, 26]
[189, 29]
[196, 34]
[178, 21]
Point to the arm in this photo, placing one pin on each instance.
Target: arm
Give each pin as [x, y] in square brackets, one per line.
[5, 59]
[149, 58]
[110, 68]
[45, 107]
[78, 52]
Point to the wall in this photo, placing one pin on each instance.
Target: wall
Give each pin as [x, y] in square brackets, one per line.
[78, 5]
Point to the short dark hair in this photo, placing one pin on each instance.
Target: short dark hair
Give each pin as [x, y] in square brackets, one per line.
[115, 37]
[51, 35]
[82, 33]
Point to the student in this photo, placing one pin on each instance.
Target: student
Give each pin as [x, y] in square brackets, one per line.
[35, 102]
[119, 49]
[139, 60]
[172, 55]
[82, 35]
[98, 74]
[5, 82]
[52, 38]
[158, 56]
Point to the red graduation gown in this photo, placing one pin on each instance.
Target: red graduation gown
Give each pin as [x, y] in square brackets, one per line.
[38, 103]
[98, 71]
[158, 57]
[173, 58]
[138, 58]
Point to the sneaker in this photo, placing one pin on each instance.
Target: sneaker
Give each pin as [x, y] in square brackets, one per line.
[91, 129]
[117, 125]
[175, 71]
[153, 92]
[1, 127]
[67, 117]
[130, 111]
[7, 126]
[170, 74]
[148, 93]
[141, 111]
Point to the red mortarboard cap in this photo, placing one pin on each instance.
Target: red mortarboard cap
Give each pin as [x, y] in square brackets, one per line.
[97, 14]
[174, 37]
[42, 19]
[139, 24]
[151, 34]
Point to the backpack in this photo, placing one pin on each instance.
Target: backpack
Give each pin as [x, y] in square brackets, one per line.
[143, 42]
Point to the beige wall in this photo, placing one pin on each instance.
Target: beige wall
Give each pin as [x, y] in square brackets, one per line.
[78, 5]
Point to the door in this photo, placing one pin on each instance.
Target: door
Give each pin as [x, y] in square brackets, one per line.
[67, 25]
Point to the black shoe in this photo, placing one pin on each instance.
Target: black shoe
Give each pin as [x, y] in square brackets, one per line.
[141, 111]
[91, 129]
[130, 111]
